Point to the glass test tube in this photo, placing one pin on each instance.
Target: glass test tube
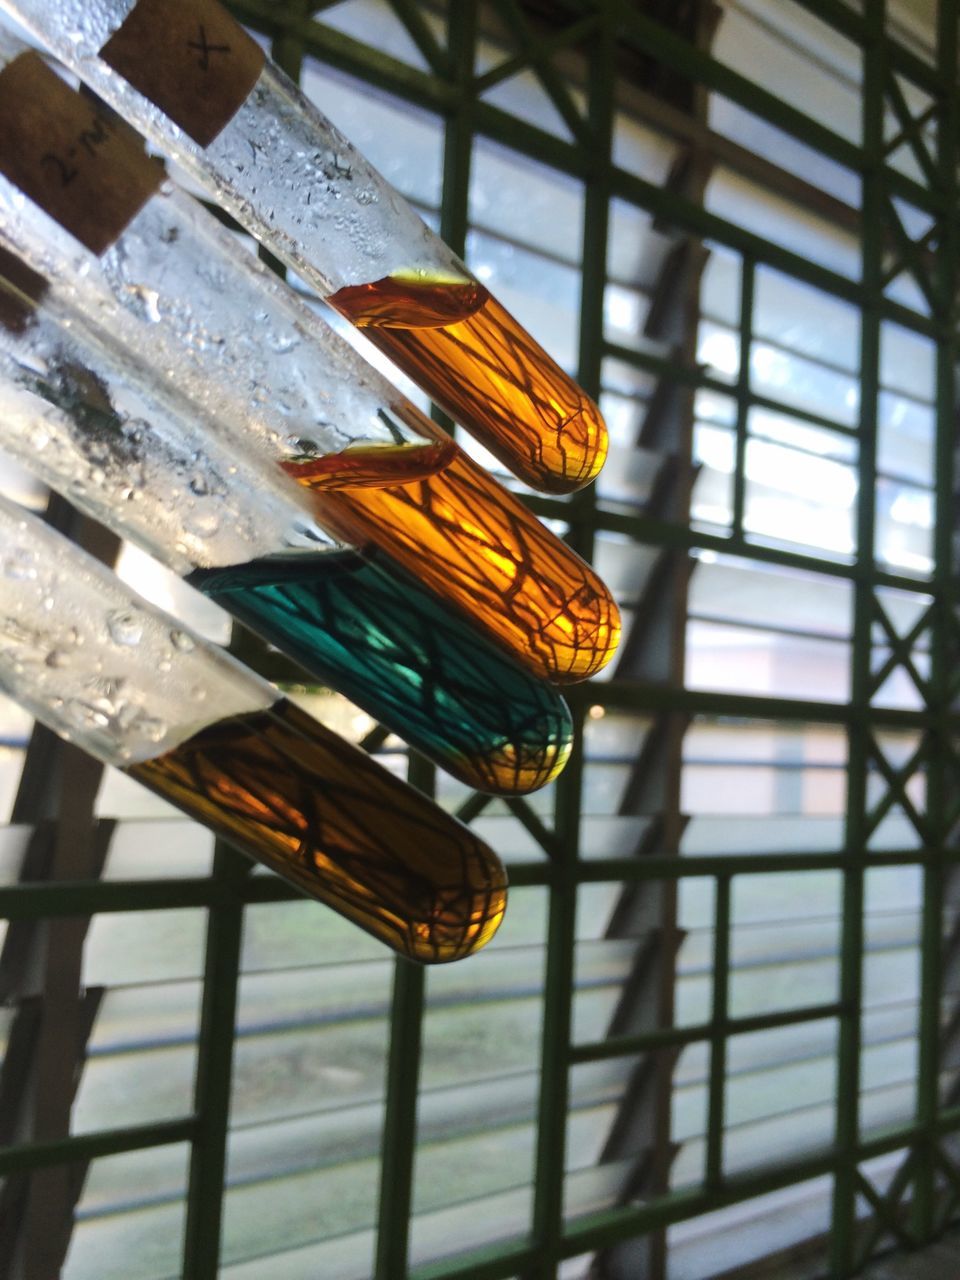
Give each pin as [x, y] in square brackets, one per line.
[201, 89]
[165, 279]
[150, 266]
[142, 463]
[127, 683]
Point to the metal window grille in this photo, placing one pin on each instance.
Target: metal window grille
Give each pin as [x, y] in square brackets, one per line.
[717, 1036]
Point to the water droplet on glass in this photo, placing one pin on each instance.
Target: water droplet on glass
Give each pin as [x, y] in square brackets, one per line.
[152, 728]
[151, 302]
[125, 627]
[202, 523]
[302, 445]
[85, 716]
[282, 343]
[133, 430]
[182, 641]
[19, 565]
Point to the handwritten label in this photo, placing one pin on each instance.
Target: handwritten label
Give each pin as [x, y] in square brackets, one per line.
[69, 157]
[20, 289]
[190, 58]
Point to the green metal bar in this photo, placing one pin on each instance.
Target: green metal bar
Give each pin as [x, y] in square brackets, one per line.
[668, 866]
[547, 46]
[850, 24]
[911, 133]
[843, 1235]
[495, 1262]
[524, 813]
[608, 1227]
[561, 937]
[693, 376]
[922, 249]
[35, 900]
[506, 1260]
[662, 533]
[286, 48]
[535, 57]
[437, 95]
[557, 1018]
[941, 785]
[437, 58]
[667, 206]
[459, 129]
[884, 1208]
[897, 1186]
[896, 780]
[747, 290]
[912, 259]
[901, 649]
[91, 1146]
[409, 991]
[918, 123]
[208, 1159]
[358, 59]
[837, 15]
[636, 696]
[31, 902]
[675, 1037]
[701, 69]
[398, 1148]
[473, 806]
[400, 1122]
[426, 91]
[718, 1043]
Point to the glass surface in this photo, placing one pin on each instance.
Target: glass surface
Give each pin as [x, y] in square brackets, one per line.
[763, 788]
[83, 654]
[358, 242]
[395, 650]
[340, 828]
[151, 466]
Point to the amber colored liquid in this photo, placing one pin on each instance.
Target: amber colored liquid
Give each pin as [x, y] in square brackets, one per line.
[476, 545]
[360, 466]
[327, 817]
[479, 364]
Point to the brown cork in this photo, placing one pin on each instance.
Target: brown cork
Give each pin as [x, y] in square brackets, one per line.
[20, 289]
[68, 156]
[190, 58]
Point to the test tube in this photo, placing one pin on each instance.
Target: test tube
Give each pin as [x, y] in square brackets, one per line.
[130, 685]
[144, 463]
[153, 268]
[189, 76]
[162, 277]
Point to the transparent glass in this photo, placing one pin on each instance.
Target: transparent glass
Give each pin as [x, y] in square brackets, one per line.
[287, 174]
[146, 464]
[176, 289]
[167, 280]
[125, 682]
